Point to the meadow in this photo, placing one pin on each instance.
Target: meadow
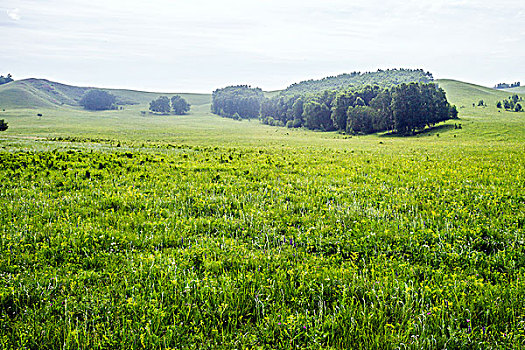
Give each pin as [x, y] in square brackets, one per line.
[119, 230]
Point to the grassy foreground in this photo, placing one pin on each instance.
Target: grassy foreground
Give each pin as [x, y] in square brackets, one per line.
[124, 231]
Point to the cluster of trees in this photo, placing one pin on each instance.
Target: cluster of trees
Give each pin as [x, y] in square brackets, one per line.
[237, 102]
[403, 108]
[511, 104]
[383, 78]
[507, 86]
[3, 125]
[5, 80]
[164, 105]
[404, 100]
[98, 100]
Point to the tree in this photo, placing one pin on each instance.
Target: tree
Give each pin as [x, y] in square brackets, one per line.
[179, 105]
[361, 119]
[518, 108]
[240, 99]
[481, 103]
[97, 100]
[498, 105]
[3, 125]
[506, 104]
[160, 105]
[317, 116]
[5, 80]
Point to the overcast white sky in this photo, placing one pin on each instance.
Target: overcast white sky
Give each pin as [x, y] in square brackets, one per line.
[199, 45]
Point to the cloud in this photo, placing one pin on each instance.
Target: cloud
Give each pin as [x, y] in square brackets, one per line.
[14, 14]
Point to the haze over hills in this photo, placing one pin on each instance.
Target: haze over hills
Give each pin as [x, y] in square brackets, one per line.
[516, 90]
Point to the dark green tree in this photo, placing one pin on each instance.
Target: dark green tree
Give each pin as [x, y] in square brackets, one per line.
[382, 103]
[518, 108]
[498, 105]
[5, 80]
[98, 100]
[240, 99]
[3, 125]
[361, 119]
[160, 105]
[179, 105]
[317, 116]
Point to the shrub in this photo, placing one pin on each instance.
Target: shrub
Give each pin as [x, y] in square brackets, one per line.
[3, 125]
[98, 100]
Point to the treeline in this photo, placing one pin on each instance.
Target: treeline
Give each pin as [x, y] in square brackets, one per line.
[237, 102]
[511, 103]
[165, 105]
[6, 79]
[507, 86]
[383, 78]
[404, 109]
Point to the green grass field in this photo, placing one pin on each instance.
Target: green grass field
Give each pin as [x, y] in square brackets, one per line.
[119, 230]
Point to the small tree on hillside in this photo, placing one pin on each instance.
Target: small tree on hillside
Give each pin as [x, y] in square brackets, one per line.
[5, 80]
[518, 108]
[3, 125]
[498, 104]
[98, 100]
[179, 105]
[160, 105]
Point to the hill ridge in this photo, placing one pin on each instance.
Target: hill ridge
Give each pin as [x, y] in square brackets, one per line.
[44, 93]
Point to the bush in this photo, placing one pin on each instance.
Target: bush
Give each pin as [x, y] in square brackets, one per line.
[98, 100]
[3, 125]
[160, 105]
[179, 105]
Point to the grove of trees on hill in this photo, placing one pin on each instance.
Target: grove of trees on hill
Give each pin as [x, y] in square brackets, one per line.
[403, 101]
[356, 80]
[238, 102]
[98, 100]
[403, 108]
[507, 86]
[164, 105]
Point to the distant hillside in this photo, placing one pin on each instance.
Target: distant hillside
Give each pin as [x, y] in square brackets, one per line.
[42, 93]
[385, 78]
[516, 90]
[464, 94]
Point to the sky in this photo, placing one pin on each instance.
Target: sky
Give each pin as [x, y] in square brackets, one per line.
[201, 45]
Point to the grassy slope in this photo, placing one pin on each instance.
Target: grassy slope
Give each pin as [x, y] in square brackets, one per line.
[201, 127]
[465, 94]
[37, 93]
[518, 90]
[434, 205]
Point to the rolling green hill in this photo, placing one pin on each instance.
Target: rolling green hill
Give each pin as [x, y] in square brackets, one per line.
[464, 94]
[42, 93]
[517, 90]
